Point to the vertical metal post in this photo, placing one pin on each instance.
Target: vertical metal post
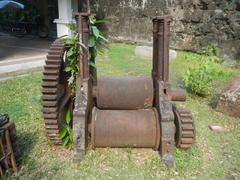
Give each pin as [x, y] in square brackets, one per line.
[83, 30]
[161, 33]
[155, 49]
[88, 7]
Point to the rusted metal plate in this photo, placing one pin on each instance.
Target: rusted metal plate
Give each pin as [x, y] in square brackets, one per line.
[124, 92]
[80, 118]
[125, 128]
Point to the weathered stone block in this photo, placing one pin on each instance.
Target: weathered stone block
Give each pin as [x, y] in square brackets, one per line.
[229, 101]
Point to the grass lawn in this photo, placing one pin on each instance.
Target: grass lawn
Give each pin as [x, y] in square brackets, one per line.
[214, 156]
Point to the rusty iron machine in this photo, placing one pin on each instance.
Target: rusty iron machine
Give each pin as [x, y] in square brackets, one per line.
[117, 112]
[9, 147]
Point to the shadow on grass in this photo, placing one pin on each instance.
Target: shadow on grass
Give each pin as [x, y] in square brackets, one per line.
[26, 143]
[214, 101]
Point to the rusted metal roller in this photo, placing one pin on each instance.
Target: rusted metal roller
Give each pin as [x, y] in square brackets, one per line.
[125, 128]
[177, 95]
[124, 92]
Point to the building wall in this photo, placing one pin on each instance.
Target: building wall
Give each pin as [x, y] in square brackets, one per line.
[196, 23]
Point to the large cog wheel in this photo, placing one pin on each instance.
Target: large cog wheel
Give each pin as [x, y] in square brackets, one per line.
[56, 95]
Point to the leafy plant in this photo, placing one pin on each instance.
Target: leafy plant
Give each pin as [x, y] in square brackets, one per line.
[97, 41]
[73, 51]
[199, 80]
[66, 134]
[212, 52]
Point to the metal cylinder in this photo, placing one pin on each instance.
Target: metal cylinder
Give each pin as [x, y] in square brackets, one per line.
[177, 95]
[125, 128]
[124, 92]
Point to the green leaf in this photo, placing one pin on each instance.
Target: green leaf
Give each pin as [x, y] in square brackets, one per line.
[92, 41]
[92, 19]
[101, 21]
[70, 134]
[95, 31]
[68, 116]
[70, 53]
[82, 45]
[66, 141]
[103, 38]
[69, 42]
[71, 80]
[68, 69]
[63, 132]
[92, 64]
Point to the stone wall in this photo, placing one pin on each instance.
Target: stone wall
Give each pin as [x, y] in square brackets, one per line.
[196, 23]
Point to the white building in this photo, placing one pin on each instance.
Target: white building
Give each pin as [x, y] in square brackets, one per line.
[66, 9]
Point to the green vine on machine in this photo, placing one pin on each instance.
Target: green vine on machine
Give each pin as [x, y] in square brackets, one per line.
[97, 43]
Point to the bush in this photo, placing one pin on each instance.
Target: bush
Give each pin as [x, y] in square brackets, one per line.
[198, 80]
[212, 53]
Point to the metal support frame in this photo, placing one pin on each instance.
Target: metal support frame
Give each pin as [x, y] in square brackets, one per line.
[83, 84]
[87, 91]
[160, 75]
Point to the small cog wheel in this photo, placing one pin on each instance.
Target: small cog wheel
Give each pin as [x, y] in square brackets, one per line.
[185, 128]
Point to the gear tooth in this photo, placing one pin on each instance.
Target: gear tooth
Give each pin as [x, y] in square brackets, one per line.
[185, 146]
[188, 134]
[186, 121]
[187, 140]
[187, 126]
[185, 135]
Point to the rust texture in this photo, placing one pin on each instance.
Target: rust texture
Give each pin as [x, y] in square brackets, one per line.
[124, 92]
[117, 111]
[125, 128]
[177, 95]
[185, 128]
[83, 30]
[55, 92]
[9, 150]
[83, 92]
[161, 33]
[160, 74]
